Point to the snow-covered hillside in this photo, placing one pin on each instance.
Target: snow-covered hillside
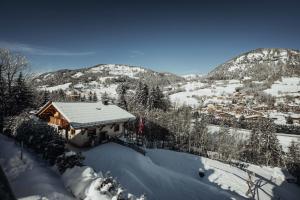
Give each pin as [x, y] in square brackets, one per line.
[164, 174]
[101, 78]
[259, 63]
[123, 70]
[287, 86]
[193, 90]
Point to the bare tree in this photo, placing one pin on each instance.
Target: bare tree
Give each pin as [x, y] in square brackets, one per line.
[11, 64]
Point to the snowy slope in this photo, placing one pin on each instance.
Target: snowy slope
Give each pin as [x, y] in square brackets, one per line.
[194, 90]
[269, 180]
[287, 86]
[252, 63]
[30, 178]
[139, 174]
[57, 87]
[164, 174]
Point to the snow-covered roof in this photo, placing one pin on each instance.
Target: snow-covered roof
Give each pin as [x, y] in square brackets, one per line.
[80, 114]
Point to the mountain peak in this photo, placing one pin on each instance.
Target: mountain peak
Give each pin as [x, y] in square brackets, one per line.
[259, 64]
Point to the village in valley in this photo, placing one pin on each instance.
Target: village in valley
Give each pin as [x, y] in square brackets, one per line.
[147, 129]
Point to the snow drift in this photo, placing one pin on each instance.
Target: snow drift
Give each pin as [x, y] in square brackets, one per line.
[164, 174]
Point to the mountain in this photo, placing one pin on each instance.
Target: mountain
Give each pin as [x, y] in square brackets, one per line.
[260, 64]
[102, 78]
[103, 72]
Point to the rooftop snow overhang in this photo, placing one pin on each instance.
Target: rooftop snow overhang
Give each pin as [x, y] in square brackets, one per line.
[76, 125]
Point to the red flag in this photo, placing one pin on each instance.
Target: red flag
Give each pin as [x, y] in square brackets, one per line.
[141, 126]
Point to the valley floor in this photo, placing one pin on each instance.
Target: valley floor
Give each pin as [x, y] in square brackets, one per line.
[30, 178]
[164, 174]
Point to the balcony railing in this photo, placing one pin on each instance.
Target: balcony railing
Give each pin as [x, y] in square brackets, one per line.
[57, 121]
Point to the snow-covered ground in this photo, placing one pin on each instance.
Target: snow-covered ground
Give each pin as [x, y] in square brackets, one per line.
[78, 74]
[164, 174]
[288, 86]
[198, 89]
[139, 174]
[82, 182]
[93, 86]
[57, 87]
[30, 178]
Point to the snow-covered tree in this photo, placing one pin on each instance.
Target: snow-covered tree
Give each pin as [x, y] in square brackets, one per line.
[293, 160]
[11, 64]
[141, 95]
[40, 137]
[200, 134]
[157, 100]
[263, 146]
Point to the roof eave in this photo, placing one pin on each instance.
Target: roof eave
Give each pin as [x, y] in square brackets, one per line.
[91, 124]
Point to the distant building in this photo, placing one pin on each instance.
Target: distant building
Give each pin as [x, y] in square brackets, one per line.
[85, 123]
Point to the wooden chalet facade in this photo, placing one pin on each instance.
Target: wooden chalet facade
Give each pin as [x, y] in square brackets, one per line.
[85, 124]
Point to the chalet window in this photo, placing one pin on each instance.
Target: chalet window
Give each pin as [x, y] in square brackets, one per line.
[117, 127]
[72, 131]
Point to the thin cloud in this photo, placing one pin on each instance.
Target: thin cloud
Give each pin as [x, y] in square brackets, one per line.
[136, 53]
[40, 51]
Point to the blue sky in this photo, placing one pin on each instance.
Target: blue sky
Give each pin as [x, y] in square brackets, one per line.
[177, 36]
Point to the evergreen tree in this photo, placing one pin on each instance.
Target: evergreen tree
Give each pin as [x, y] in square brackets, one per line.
[105, 98]
[121, 90]
[263, 146]
[251, 154]
[141, 96]
[157, 100]
[61, 95]
[83, 98]
[289, 120]
[293, 160]
[161, 102]
[90, 96]
[46, 97]
[151, 101]
[95, 98]
[23, 95]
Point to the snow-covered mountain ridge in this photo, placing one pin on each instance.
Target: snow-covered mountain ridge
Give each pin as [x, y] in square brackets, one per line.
[260, 64]
[102, 72]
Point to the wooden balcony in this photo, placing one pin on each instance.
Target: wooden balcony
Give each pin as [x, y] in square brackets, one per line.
[57, 121]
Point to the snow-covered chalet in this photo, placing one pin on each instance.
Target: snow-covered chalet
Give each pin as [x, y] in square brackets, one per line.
[85, 123]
